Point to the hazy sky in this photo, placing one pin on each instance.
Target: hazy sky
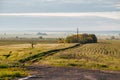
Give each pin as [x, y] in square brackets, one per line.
[60, 14]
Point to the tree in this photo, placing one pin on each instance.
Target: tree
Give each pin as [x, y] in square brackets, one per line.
[60, 40]
[82, 38]
[40, 37]
[32, 44]
[94, 38]
[112, 37]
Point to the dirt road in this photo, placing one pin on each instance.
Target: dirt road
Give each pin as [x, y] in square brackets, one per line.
[62, 73]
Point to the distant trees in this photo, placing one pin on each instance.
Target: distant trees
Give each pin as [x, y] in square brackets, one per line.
[40, 37]
[41, 33]
[81, 38]
[61, 40]
[112, 37]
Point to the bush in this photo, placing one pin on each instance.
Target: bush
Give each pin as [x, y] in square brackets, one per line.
[61, 40]
[81, 38]
[4, 66]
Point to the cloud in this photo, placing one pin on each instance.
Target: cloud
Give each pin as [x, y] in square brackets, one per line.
[27, 6]
[112, 15]
[107, 2]
[117, 6]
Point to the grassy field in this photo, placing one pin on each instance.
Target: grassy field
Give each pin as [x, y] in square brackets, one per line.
[11, 53]
[104, 55]
[19, 51]
[10, 73]
[10, 41]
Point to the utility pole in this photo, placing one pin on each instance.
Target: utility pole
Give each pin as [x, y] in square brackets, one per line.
[77, 34]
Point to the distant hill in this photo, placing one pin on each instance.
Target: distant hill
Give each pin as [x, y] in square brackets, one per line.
[39, 33]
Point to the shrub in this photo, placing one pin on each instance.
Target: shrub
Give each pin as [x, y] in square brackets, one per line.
[60, 40]
[81, 38]
[4, 66]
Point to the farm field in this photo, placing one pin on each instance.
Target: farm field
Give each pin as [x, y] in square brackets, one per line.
[10, 41]
[104, 55]
[14, 57]
[19, 51]
[10, 54]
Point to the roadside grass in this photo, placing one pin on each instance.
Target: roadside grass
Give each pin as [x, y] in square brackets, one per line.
[104, 55]
[11, 73]
[4, 66]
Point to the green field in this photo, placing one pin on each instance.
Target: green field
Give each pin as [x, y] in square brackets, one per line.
[104, 55]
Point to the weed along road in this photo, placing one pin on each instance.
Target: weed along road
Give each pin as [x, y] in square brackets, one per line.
[65, 73]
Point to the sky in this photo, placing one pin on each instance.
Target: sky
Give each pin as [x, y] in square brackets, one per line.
[87, 15]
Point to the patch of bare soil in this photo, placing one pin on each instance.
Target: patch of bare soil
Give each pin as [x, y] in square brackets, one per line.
[65, 73]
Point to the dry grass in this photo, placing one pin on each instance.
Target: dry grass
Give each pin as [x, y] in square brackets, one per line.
[11, 54]
[19, 51]
[102, 55]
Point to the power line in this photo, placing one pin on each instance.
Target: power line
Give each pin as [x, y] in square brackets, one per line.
[77, 33]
